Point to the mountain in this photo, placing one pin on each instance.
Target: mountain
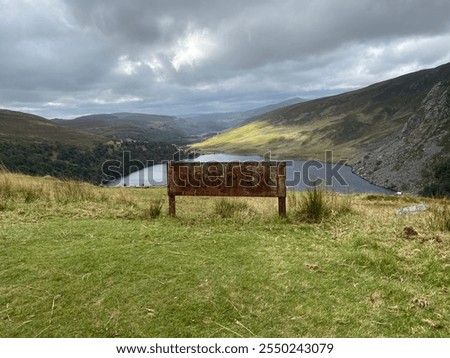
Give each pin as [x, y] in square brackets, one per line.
[352, 124]
[150, 127]
[125, 126]
[19, 127]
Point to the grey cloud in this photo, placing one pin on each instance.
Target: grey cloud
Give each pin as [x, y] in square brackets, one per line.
[297, 30]
[73, 57]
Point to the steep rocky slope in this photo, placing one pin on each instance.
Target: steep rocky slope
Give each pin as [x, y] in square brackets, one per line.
[403, 160]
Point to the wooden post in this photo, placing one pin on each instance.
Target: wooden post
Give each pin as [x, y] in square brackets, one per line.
[172, 205]
[282, 206]
[171, 195]
[281, 188]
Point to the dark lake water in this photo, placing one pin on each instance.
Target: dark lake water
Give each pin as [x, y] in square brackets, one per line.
[299, 175]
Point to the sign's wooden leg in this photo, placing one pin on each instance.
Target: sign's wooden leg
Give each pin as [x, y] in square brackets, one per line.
[282, 206]
[172, 205]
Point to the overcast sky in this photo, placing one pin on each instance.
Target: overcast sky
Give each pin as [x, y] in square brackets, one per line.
[63, 58]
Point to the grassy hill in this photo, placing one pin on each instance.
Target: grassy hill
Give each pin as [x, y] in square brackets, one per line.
[82, 261]
[350, 124]
[19, 127]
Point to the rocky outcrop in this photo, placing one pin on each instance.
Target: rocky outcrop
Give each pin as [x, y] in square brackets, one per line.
[402, 161]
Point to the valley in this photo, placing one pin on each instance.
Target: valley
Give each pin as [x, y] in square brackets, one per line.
[392, 133]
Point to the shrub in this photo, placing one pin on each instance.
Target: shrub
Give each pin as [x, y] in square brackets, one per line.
[439, 185]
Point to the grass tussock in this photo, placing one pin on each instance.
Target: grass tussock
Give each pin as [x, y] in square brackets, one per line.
[154, 209]
[228, 208]
[317, 205]
[440, 217]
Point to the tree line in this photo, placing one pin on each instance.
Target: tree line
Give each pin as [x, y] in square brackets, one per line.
[71, 162]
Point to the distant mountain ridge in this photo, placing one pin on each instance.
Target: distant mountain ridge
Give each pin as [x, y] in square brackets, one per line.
[29, 128]
[352, 124]
[127, 126]
[241, 115]
[150, 127]
[98, 128]
[272, 107]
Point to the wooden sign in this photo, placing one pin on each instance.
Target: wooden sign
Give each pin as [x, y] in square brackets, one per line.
[263, 179]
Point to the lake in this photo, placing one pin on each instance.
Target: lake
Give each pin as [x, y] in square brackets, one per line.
[300, 175]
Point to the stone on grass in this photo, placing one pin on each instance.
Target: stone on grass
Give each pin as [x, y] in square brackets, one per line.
[411, 210]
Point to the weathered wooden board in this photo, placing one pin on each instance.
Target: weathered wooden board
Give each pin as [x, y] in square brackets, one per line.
[259, 179]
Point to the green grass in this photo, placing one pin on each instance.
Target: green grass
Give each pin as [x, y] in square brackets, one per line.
[93, 265]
